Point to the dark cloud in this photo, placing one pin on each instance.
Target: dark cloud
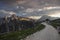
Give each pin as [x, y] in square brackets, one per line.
[32, 3]
[19, 6]
[8, 1]
[41, 2]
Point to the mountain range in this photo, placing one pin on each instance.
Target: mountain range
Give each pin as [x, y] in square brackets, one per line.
[47, 17]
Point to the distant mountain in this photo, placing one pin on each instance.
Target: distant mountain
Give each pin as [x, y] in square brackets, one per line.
[47, 17]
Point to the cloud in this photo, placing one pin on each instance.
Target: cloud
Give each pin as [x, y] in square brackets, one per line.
[6, 13]
[56, 14]
[39, 3]
[43, 11]
[29, 10]
[30, 7]
[29, 3]
[32, 3]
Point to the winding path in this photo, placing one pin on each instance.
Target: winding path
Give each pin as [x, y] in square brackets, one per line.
[49, 33]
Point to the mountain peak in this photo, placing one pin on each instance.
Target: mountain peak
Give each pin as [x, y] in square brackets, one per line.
[44, 17]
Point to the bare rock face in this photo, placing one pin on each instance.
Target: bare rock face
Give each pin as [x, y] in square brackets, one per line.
[15, 23]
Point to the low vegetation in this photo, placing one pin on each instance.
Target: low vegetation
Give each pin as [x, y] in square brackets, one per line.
[18, 35]
[55, 23]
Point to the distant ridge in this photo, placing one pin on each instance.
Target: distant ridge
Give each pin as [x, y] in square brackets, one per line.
[47, 17]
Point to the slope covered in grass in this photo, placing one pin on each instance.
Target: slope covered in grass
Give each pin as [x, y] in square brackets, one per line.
[21, 34]
[55, 23]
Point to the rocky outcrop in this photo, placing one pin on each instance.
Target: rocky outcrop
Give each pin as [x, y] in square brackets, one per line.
[14, 23]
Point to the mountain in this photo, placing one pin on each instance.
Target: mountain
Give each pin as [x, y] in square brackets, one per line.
[47, 17]
[14, 23]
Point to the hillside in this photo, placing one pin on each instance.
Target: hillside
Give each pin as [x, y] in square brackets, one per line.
[55, 23]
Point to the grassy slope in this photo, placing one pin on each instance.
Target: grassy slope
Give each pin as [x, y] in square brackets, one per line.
[55, 23]
[21, 34]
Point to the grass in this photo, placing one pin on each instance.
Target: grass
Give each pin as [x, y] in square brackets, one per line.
[21, 34]
[55, 24]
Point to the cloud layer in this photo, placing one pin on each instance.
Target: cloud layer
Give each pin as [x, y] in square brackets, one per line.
[29, 7]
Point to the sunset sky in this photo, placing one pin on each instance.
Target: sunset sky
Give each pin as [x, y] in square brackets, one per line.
[28, 8]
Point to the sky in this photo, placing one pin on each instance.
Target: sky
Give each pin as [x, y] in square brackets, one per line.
[29, 8]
